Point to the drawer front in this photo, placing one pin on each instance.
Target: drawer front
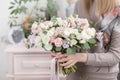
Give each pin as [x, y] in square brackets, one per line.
[32, 64]
[37, 78]
[33, 78]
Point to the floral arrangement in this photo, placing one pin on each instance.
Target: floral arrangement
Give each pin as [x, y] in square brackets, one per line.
[67, 36]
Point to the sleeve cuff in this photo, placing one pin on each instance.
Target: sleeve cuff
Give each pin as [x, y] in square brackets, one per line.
[90, 59]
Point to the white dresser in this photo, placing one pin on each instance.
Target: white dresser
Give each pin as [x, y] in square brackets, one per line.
[28, 64]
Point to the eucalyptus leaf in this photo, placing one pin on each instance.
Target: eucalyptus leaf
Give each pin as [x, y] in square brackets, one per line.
[92, 41]
[86, 46]
[70, 51]
[58, 49]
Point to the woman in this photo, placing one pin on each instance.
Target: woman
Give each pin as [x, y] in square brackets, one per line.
[101, 63]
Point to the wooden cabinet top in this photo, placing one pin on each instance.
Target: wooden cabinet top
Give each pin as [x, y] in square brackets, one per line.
[23, 49]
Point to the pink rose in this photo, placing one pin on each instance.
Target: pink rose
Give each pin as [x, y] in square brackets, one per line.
[58, 42]
[52, 39]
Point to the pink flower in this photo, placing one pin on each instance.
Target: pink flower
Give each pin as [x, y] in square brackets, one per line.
[58, 42]
[46, 23]
[52, 39]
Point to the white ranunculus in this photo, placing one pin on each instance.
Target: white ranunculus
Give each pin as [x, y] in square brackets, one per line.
[51, 32]
[91, 31]
[48, 47]
[73, 42]
[75, 31]
[59, 21]
[34, 25]
[42, 25]
[78, 36]
[50, 23]
[67, 31]
[38, 41]
[84, 35]
[45, 39]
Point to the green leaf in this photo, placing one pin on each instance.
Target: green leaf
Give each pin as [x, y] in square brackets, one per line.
[11, 7]
[58, 49]
[86, 46]
[70, 51]
[12, 3]
[92, 41]
[13, 12]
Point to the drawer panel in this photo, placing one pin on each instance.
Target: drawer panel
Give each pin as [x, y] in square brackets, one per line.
[32, 64]
[37, 78]
[34, 78]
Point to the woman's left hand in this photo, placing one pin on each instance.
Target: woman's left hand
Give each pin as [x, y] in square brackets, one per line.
[70, 60]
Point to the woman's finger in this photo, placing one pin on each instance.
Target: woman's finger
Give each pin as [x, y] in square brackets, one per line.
[64, 59]
[59, 56]
[70, 65]
[67, 63]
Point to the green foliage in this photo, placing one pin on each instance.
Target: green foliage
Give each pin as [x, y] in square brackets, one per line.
[18, 6]
[71, 51]
[86, 46]
[58, 49]
[52, 8]
[92, 41]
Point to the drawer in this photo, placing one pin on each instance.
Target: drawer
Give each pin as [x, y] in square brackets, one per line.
[33, 78]
[32, 64]
[37, 78]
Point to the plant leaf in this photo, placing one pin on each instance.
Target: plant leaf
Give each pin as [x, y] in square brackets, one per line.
[58, 49]
[92, 41]
[70, 51]
[86, 46]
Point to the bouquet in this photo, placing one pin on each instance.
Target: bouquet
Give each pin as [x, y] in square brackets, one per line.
[68, 36]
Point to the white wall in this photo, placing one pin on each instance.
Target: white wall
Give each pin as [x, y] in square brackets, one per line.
[4, 29]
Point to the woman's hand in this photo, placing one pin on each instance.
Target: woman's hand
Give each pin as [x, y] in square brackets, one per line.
[70, 60]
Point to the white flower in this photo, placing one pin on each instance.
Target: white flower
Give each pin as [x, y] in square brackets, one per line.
[34, 25]
[91, 32]
[48, 47]
[67, 31]
[50, 24]
[45, 39]
[73, 42]
[51, 32]
[42, 25]
[38, 41]
[84, 35]
[83, 41]
[74, 31]
[78, 36]
[59, 21]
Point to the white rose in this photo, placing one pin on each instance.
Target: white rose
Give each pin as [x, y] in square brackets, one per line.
[34, 25]
[48, 47]
[45, 39]
[73, 42]
[51, 32]
[84, 35]
[91, 31]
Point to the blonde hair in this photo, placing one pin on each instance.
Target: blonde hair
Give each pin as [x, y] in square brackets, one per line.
[102, 6]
